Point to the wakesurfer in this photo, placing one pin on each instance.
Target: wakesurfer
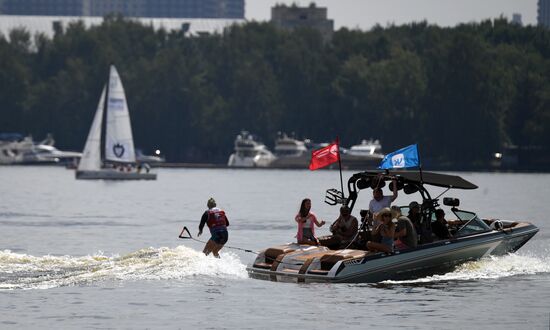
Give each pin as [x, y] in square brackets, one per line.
[217, 222]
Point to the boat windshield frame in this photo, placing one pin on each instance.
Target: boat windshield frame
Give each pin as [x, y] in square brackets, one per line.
[473, 224]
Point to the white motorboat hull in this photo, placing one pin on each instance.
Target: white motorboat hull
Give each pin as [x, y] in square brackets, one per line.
[238, 161]
[114, 175]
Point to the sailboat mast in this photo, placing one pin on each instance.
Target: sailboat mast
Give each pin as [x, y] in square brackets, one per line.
[104, 119]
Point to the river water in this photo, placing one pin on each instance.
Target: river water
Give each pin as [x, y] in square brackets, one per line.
[95, 254]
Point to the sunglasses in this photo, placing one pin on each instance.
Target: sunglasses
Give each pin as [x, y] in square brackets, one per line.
[386, 215]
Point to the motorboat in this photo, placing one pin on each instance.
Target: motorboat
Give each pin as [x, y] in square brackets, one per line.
[290, 152]
[18, 149]
[249, 152]
[472, 238]
[366, 148]
[153, 160]
[118, 160]
[363, 155]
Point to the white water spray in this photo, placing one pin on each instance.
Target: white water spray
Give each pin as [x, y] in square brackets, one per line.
[21, 271]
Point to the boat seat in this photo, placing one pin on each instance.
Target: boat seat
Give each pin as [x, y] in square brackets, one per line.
[329, 259]
[273, 252]
[263, 265]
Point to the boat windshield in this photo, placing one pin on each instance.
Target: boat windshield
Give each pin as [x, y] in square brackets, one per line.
[472, 224]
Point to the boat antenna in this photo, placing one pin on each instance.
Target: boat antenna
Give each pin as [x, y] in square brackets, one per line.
[449, 188]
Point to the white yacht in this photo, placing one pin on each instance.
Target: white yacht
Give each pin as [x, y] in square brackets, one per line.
[366, 148]
[290, 152]
[362, 156]
[16, 149]
[249, 152]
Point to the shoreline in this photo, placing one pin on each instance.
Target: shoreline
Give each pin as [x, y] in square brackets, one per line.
[328, 168]
[347, 168]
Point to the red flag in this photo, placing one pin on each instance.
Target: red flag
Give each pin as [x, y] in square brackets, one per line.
[324, 156]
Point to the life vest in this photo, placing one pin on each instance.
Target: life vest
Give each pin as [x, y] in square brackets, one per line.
[216, 219]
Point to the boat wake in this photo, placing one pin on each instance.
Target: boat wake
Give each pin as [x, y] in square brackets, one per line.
[21, 271]
[489, 268]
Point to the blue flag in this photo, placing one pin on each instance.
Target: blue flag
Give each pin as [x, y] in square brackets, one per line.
[402, 158]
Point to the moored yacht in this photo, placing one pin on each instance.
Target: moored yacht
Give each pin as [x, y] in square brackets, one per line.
[16, 149]
[249, 152]
[362, 156]
[290, 152]
[472, 238]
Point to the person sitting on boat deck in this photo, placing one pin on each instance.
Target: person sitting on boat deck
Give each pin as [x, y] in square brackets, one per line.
[343, 229]
[217, 222]
[306, 224]
[385, 231]
[439, 226]
[405, 234]
[379, 201]
[422, 226]
[414, 214]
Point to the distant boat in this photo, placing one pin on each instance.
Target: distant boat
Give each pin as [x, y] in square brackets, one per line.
[367, 154]
[17, 149]
[291, 152]
[249, 152]
[119, 154]
[152, 160]
[294, 153]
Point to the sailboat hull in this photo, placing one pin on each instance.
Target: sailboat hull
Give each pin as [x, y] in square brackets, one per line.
[114, 175]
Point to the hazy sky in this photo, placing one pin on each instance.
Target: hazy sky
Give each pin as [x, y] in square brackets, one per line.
[364, 14]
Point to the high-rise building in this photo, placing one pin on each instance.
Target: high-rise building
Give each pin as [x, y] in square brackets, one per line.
[292, 17]
[516, 19]
[233, 9]
[543, 14]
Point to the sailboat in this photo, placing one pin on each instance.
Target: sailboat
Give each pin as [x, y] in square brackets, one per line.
[119, 155]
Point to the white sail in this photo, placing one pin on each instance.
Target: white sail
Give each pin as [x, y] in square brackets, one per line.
[91, 156]
[119, 144]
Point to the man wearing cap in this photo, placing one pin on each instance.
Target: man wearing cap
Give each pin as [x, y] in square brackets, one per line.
[379, 201]
[345, 227]
[217, 222]
[343, 230]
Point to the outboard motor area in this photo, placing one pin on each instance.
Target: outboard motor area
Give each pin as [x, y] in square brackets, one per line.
[451, 201]
[333, 197]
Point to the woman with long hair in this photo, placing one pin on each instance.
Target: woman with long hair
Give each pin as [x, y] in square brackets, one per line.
[306, 224]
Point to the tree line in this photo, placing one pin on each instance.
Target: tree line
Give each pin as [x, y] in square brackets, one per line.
[461, 93]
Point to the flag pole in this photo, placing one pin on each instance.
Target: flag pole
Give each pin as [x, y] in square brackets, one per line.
[419, 165]
[340, 166]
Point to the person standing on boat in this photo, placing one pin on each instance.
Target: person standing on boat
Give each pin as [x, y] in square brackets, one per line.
[379, 201]
[306, 224]
[217, 222]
